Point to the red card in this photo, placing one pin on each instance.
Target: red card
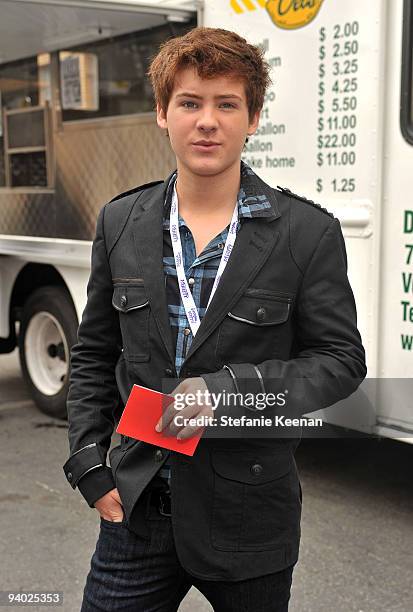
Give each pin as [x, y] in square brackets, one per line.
[143, 410]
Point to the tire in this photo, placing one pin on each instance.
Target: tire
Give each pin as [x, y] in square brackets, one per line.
[48, 330]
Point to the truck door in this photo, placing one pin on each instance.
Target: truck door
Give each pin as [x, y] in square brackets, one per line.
[395, 328]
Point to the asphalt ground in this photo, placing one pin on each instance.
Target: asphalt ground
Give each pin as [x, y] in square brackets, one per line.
[357, 523]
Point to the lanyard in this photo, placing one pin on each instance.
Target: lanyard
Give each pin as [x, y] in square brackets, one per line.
[188, 301]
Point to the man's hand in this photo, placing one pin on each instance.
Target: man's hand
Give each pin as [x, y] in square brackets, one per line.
[110, 506]
[194, 388]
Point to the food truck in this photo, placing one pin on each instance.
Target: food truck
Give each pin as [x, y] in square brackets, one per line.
[78, 127]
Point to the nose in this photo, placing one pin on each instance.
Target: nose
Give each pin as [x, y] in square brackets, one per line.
[207, 120]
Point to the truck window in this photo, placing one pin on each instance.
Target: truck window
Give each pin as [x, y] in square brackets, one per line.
[406, 103]
[24, 98]
[108, 78]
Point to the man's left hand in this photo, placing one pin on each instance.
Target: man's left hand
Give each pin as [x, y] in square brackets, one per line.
[193, 388]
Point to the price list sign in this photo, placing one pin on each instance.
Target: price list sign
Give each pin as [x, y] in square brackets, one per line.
[338, 106]
[319, 124]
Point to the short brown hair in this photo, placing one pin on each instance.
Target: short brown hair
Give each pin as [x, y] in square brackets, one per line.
[212, 52]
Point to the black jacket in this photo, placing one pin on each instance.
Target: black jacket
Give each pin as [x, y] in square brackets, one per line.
[283, 316]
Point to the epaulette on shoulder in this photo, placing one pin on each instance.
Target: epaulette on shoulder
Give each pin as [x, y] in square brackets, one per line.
[135, 190]
[303, 199]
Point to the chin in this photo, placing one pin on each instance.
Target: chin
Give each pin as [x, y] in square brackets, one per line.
[208, 167]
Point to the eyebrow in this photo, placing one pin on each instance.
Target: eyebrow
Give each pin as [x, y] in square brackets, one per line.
[220, 97]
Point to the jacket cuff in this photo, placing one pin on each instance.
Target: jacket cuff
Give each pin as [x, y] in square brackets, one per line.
[242, 379]
[247, 380]
[96, 484]
[87, 469]
[83, 461]
[220, 381]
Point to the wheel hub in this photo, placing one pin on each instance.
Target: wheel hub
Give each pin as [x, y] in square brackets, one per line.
[47, 353]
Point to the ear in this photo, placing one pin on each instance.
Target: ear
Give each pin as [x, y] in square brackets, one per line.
[253, 124]
[161, 117]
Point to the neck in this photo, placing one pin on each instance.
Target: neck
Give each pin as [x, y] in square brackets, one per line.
[207, 195]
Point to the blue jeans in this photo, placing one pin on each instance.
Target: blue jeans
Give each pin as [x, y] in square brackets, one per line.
[131, 574]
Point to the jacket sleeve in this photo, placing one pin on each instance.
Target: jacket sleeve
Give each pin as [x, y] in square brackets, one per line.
[328, 361]
[93, 394]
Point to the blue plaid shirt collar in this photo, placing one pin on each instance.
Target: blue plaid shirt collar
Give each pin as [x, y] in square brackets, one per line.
[250, 203]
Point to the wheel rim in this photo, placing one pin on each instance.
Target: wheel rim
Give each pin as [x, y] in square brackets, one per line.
[46, 353]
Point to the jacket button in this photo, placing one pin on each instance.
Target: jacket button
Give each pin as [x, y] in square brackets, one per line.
[158, 456]
[70, 476]
[168, 372]
[261, 312]
[256, 469]
[123, 300]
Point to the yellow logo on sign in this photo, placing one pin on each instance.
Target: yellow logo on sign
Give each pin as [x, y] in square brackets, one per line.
[292, 14]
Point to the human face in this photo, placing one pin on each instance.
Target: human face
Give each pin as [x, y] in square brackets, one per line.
[207, 121]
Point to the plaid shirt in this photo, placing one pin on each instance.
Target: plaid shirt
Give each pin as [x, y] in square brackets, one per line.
[200, 271]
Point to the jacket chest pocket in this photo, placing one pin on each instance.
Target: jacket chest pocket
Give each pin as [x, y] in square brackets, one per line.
[255, 500]
[131, 301]
[256, 326]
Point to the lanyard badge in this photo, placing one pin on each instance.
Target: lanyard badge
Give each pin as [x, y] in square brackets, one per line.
[191, 310]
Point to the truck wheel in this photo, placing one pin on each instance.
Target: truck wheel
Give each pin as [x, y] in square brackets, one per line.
[48, 330]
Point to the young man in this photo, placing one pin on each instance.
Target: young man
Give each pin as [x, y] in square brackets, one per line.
[215, 279]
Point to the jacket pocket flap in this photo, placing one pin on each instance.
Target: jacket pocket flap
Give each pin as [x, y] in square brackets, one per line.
[129, 298]
[249, 468]
[261, 310]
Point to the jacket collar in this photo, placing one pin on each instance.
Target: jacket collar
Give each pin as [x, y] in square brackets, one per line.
[253, 190]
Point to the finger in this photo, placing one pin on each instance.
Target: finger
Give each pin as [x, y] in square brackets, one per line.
[113, 518]
[189, 412]
[112, 512]
[112, 507]
[166, 418]
[168, 415]
[188, 432]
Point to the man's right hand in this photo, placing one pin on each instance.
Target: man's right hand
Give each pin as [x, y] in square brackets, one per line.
[110, 506]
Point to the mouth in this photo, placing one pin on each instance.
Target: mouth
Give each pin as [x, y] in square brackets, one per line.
[205, 145]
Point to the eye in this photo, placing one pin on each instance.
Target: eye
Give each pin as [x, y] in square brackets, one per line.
[188, 104]
[228, 105]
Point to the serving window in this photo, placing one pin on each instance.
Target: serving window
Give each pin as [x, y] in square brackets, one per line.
[25, 123]
[26, 147]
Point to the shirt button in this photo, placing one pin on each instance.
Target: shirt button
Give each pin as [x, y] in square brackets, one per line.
[221, 245]
[191, 281]
[187, 331]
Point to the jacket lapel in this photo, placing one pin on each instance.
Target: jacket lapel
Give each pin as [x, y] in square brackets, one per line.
[255, 241]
